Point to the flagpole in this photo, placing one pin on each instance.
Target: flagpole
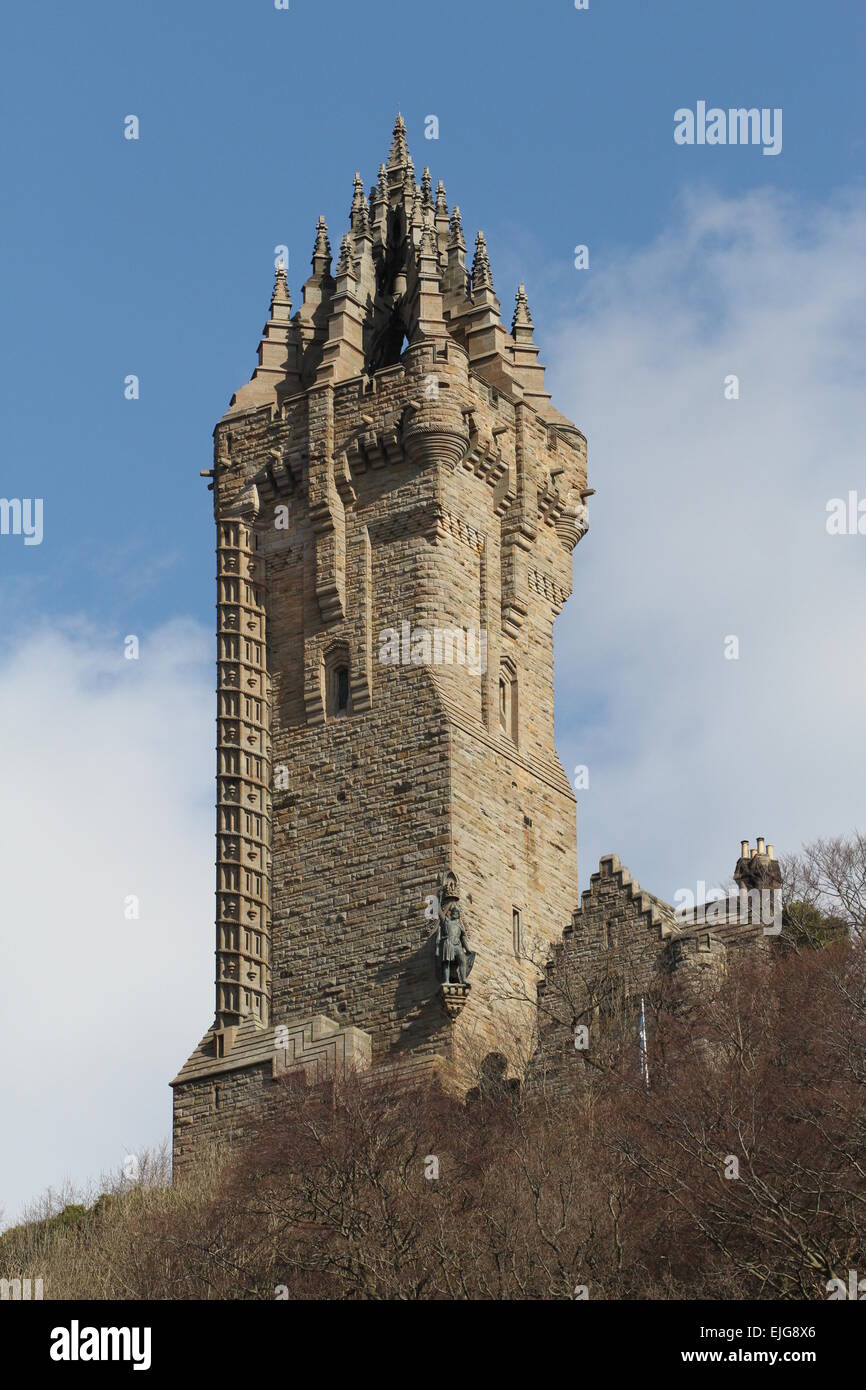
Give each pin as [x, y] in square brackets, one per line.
[643, 1054]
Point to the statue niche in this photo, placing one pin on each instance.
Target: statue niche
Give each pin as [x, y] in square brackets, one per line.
[452, 949]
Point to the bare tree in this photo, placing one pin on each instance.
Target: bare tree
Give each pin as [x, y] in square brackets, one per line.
[824, 891]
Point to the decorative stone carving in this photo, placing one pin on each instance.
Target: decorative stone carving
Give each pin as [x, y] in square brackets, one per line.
[572, 523]
[453, 998]
[318, 1048]
[434, 433]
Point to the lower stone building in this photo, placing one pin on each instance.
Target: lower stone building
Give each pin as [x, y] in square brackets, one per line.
[622, 946]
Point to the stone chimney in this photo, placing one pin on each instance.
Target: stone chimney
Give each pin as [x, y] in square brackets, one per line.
[757, 872]
[757, 868]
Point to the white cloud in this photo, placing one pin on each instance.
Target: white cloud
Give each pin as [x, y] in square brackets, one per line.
[108, 772]
[709, 520]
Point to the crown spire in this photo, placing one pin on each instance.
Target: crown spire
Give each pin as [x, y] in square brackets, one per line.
[399, 148]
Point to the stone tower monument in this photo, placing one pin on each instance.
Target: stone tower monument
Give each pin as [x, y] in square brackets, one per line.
[396, 504]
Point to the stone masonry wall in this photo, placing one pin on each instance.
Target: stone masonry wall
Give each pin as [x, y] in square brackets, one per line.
[376, 804]
[614, 949]
[219, 1110]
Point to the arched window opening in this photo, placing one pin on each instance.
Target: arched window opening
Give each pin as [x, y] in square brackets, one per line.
[508, 699]
[517, 931]
[341, 689]
[338, 691]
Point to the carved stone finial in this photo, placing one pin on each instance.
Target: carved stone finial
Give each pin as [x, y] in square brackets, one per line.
[522, 316]
[482, 279]
[457, 237]
[322, 249]
[427, 248]
[361, 219]
[345, 265]
[417, 218]
[399, 148]
[357, 199]
[281, 295]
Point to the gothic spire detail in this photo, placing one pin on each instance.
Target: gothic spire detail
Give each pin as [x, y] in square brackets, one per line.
[357, 196]
[457, 237]
[527, 369]
[482, 278]
[345, 265]
[428, 247]
[399, 148]
[322, 250]
[441, 222]
[418, 208]
[277, 351]
[522, 316]
[281, 297]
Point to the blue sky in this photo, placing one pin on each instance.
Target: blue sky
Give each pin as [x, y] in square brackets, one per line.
[155, 257]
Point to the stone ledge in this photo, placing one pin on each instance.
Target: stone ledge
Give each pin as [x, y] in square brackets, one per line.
[453, 997]
[315, 1046]
[318, 1048]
